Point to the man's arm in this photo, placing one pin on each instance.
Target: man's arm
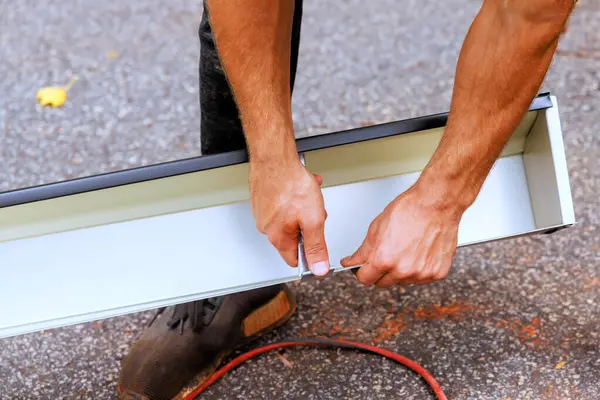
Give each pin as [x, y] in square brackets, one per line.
[253, 41]
[501, 66]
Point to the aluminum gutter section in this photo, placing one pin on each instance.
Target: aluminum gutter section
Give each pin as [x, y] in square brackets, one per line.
[135, 240]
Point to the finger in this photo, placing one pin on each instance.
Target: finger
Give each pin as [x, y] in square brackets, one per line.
[360, 256]
[397, 276]
[426, 281]
[418, 277]
[442, 272]
[408, 277]
[368, 274]
[434, 274]
[289, 252]
[286, 243]
[410, 280]
[426, 278]
[315, 247]
[319, 179]
[389, 279]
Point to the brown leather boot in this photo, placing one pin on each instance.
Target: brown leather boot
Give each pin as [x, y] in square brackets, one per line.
[176, 355]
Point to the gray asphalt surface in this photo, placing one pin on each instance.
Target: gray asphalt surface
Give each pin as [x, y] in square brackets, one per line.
[494, 329]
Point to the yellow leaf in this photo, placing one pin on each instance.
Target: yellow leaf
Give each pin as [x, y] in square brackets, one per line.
[51, 96]
[112, 54]
[54, 96]
[560, 365]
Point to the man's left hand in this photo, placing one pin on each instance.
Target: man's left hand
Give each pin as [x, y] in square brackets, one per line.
[412, 241]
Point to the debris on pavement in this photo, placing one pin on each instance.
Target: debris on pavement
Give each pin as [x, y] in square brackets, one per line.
[287, 363]
[55, 96]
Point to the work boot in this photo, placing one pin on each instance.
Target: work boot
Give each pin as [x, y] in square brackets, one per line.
[178, 352]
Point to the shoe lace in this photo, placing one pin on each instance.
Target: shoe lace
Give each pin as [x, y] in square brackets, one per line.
[197, 313]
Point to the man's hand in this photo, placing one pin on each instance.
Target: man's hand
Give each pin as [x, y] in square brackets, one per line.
[286, 200]
[411, 242]
[253, 39]
[501, 66]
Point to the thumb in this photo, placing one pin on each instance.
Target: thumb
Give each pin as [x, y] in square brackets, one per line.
[360, 256]
[315, 248]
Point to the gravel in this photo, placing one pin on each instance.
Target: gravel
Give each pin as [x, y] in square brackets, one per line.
[496, 328]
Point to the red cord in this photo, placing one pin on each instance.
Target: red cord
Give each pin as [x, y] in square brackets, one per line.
[435, 386]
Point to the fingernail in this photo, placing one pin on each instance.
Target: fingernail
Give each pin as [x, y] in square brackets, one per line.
[344, 260]
[320, 268]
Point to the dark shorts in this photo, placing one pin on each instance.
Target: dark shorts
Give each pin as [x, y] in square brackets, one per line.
[220, 126]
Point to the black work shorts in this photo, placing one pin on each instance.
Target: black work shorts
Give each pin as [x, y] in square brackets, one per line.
[220, 126]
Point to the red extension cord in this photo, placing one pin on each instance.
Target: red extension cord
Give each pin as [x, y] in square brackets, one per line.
[435, 386]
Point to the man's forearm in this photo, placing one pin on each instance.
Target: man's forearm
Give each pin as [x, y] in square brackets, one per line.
[501, 66]
[253, 41]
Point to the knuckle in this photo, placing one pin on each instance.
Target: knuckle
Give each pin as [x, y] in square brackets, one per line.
[403, 271]
[271, 233]
[314, 248]
[385, 261]
[314, 222]
[274, 239]
[373, 226]
[422, 276]
[261, 227]
[380, 266]
[441, 275]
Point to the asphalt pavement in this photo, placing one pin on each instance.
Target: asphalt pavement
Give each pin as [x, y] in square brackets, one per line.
[516, 319]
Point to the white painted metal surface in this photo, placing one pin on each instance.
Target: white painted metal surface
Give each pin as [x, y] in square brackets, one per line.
[116, 268]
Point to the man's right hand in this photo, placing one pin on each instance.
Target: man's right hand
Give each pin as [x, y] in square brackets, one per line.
[286, 200]
[253, 41]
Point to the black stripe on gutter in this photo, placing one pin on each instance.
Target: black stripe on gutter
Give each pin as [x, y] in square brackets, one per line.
[201, 163]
